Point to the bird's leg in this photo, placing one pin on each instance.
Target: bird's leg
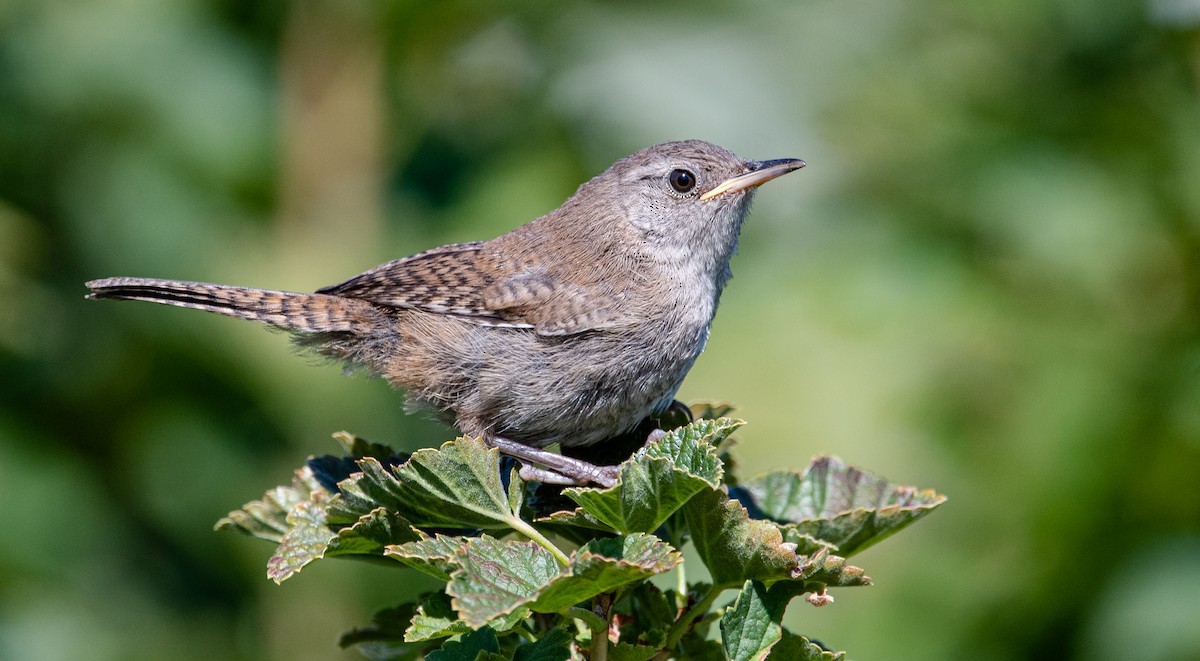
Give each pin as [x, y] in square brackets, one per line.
[559, 469]
[574, 465]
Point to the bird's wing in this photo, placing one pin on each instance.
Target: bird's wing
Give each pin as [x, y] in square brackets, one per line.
[447, 280]
[550, 305]
[443, 280]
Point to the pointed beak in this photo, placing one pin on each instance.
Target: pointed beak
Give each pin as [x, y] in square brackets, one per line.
[758, 173]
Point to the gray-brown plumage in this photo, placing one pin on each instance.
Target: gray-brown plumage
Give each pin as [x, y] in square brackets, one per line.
[571, 328]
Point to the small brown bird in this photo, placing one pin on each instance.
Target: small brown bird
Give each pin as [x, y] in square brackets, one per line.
[570, 329]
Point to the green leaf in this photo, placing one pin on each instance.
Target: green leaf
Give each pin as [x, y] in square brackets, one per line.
[603, 565]
[656, 481]
[710, 410]
[805, 543]
[467, 648]
[695, 647]
[691, 447]
[646, 614]
[436, 556]
[553, 645]
[296, 517]
[364, 492]
[647, 607]
[357, 447]
[458, 486]
[310, 538]
[455, 486]
[798, 648]
[372, 534]
[495, 577]
[839, 505]
[828, 570]
[565, 521]
[305, 542]
[267, 518]
[384, 638]
[751, 626]
[435, 618]
[733, 546]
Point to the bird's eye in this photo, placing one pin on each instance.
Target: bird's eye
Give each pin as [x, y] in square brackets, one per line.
[682, 181]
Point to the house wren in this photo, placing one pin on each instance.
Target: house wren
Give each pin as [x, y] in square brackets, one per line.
[569, 329]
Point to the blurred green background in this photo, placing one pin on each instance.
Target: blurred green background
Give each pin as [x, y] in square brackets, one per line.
[987, 281]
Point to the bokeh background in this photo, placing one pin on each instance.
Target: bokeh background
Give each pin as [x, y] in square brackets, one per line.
[987, 281]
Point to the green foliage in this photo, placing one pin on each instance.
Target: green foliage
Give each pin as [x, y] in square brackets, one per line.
[520, 591]
[656, 481]
[838, 505]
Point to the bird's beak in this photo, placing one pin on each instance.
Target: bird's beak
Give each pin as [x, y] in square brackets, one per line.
[758, 173]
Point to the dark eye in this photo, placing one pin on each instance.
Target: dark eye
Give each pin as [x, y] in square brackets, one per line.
[682, 181]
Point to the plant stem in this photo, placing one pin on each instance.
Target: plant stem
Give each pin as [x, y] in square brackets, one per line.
[529, 531]
[681, 587]
[681, 625]
[524, 632]
[593, 621]
[599, 648]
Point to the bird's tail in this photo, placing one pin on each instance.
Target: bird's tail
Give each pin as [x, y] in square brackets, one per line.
[305, 313]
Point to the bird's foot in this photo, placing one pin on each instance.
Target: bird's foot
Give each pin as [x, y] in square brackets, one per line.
[653, 436]
[551, 468]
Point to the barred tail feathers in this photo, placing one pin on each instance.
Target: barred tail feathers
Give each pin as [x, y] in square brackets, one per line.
[306, 313]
